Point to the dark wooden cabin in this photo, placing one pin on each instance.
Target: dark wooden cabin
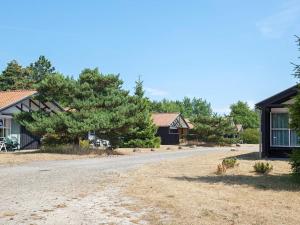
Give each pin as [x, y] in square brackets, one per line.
[277, 139]
[172, 128]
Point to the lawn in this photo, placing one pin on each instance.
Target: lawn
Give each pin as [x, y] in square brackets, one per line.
[189, 191]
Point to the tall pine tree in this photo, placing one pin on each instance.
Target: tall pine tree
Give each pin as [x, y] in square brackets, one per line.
[143, 132]
[14, 77]
[96, 102]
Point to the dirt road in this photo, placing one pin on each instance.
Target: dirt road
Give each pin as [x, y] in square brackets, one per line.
[75, 191]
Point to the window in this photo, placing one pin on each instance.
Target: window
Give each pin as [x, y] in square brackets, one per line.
[281, 134]
[173, 130]
[5, 127]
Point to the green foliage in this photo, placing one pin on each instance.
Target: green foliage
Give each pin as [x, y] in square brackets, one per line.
[294, 109]
[213, 129]
[143, 131]
[242, 114]
[40, 69]
[250, 136]
[84, 144]
[297, 66]
[96, 102]
[295, 162]
[187, 107]
[16, 77]
[229, 162]
[263, 168]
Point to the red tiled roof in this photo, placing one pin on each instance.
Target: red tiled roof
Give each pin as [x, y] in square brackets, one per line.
[164, 119]
[8, 98]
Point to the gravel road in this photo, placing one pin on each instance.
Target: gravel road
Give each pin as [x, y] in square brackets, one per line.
[84, 191]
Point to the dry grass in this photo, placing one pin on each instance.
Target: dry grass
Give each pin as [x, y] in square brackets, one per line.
[18, 158]
[12, 158]
[162, 148]
[8, 214]
[191, 192]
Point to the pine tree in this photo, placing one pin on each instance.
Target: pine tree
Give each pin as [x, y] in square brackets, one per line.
[143, 132]
[213, 129]
[14, 77]
[40, 69]
[96, 102]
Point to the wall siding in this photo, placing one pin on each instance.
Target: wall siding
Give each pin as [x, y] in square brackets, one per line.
[28, 140]
[166, 137]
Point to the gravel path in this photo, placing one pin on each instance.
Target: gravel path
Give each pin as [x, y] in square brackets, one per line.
[75, 191]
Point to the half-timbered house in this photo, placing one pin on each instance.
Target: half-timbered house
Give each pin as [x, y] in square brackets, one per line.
[172, 127]
[12, 102]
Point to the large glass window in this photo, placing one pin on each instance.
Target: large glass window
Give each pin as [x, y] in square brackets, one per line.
[281, 134]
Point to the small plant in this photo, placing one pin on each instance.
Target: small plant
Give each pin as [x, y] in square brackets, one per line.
[295, 162]
[84, 144]
[221, 169]
[229, 162]
[263, 168]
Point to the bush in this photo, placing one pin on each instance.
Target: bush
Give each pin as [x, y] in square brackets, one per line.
[138, 143]
[250, 136]
[84, 144]
[263, 168]
[295, 162]
[229, 162]
[221, 169]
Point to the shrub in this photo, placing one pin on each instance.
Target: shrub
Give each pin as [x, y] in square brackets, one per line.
[84, 144]
[221, 169]
[229, 162]
[139, 143]
[295, 162]
[250, 136]
[263, 168]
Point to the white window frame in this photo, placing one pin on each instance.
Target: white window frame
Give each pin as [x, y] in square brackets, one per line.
[278, 111]
[6, 125]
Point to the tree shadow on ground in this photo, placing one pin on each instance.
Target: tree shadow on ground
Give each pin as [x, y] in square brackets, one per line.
[248, 156]
[283, 182]
[255, 156]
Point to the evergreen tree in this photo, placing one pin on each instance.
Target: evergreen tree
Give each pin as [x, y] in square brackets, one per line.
[187, 107]
[213, 129]
[295, 108]
[14, 77]
[143, 131]
[40, 69]
[96, 102]
[242, 114]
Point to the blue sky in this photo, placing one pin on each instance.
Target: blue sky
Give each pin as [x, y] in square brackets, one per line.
[222, 51]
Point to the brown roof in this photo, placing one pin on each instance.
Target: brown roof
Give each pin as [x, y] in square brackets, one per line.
[8, 98]
[191, 126]
[164, 119]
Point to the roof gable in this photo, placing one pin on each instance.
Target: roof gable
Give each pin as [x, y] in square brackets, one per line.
[8, 98]
[169, 120]
[279, 98]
